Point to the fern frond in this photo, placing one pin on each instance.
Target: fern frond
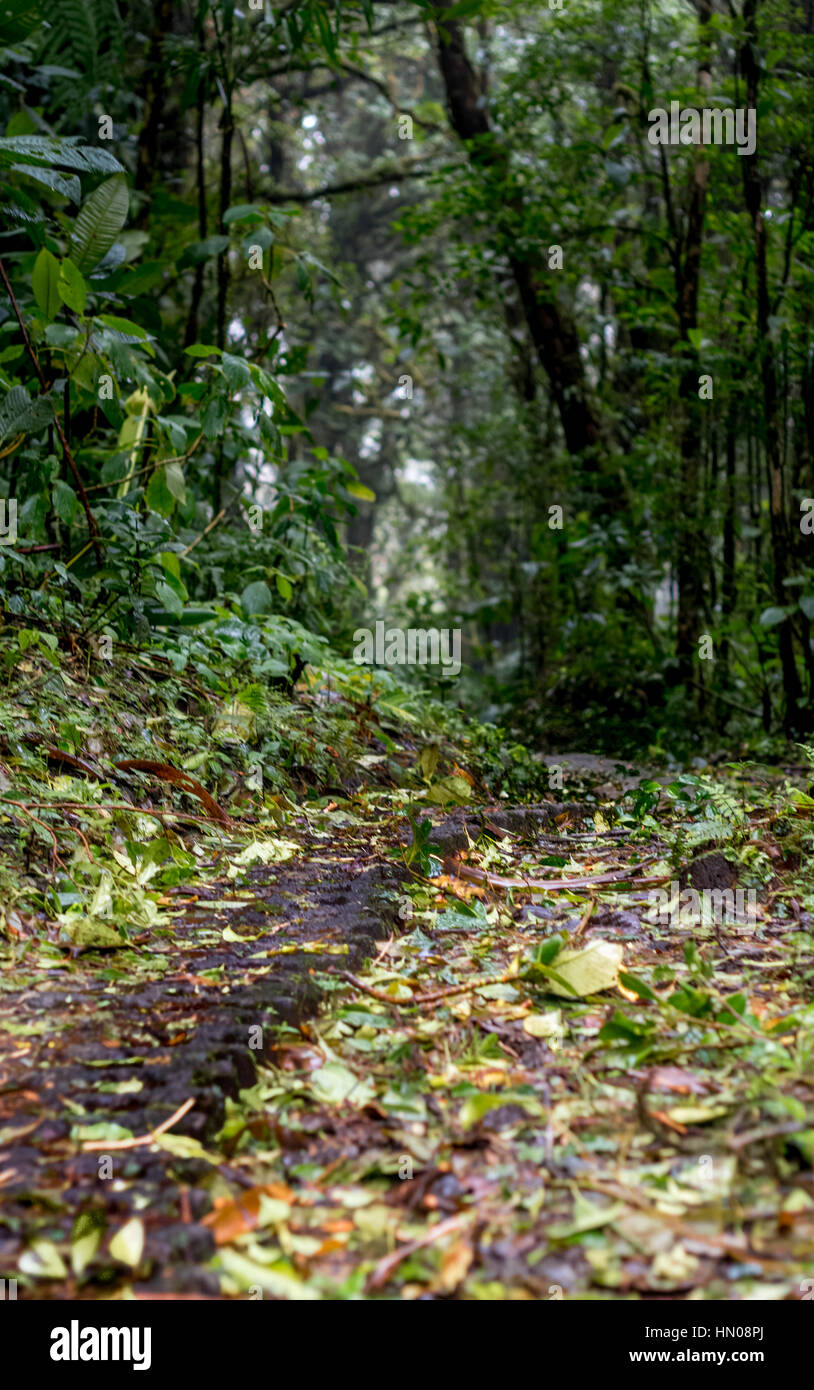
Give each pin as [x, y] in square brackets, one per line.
[79, 19]
[713, 830]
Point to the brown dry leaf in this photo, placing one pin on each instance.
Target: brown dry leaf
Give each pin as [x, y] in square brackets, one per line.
[676, 1079]
[233, 1217]
[666, 1120]
[459, 888]
[165, 773]
[455, 1263]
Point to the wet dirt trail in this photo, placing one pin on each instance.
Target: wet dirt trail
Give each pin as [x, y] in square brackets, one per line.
[546, 1057]
[81, 1053]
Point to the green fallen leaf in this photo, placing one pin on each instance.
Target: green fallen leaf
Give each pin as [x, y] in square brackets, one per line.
[128, 1244]
[86, 1238]
[103, 1130]
[184, 1146]
[278, 1279]
[333, 1084]
[588, 1216]
[593, 968]
[43, 1261]
[88, 935]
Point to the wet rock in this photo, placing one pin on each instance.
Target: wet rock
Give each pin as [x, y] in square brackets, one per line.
[710, 872]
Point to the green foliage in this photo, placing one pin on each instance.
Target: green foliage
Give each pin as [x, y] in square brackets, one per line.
[210, 346]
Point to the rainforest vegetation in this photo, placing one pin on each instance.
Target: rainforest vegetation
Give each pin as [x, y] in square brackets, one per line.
[406, 602]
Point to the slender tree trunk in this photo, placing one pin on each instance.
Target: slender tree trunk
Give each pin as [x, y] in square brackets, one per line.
[154, 96]
[690, 557]
[777, 499]
[191, 334]
[227, 126]
[227, 136]
[728, 582]
[552, 328]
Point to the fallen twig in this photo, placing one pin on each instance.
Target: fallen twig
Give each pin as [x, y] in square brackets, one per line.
[506, 978]
[754, 1136]
[384, 1269]
[457, 869]
[137, 1141]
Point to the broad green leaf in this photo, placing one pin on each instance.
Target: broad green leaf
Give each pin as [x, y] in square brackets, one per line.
[236, 371]
[770, 617]
[256, 598]
[202, 350]
[105, 1130]
[86, 1238]
[88, 934]
[19, 414]
[242, 212]
[44, 281]
[452, 789]
[637, 986]
[123, 326]
[157, 494]
[71, 287]
[170, 562]
[65, 500]
[184, 1146]
[48, 150]
[166, 594]
[204, 250]
[543, 1025]
[67, 185]
[588, 1216]
[214, 417]
[175, 481]
[99, 221]
[258, 236]
[475, 1107]
[357, 489]
[278, 1279]
[334, 1084]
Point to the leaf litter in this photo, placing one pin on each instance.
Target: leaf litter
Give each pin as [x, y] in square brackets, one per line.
[526, 1062]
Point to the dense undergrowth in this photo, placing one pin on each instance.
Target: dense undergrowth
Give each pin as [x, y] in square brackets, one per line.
[235, 722]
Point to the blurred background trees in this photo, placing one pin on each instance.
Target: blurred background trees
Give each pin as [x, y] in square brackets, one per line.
[411, 278]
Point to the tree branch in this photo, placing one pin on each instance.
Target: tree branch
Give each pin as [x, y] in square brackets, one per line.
[397, 175]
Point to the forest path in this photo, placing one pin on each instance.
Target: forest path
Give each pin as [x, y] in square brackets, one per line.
[108, 1046]
[537, 1087]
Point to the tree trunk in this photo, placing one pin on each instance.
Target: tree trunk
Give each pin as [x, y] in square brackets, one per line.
[154, 95]
[690, 557]
[553, 330]
[777, 500]
[191, 334]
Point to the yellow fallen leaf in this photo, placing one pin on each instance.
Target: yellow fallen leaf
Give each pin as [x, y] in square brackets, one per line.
[593, 968]
[128, 1243]
[697, 1114]
[455, 1263]
[543, 1025]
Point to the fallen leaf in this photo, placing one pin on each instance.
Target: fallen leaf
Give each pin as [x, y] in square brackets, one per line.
[593, 968]
[128, 1243]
